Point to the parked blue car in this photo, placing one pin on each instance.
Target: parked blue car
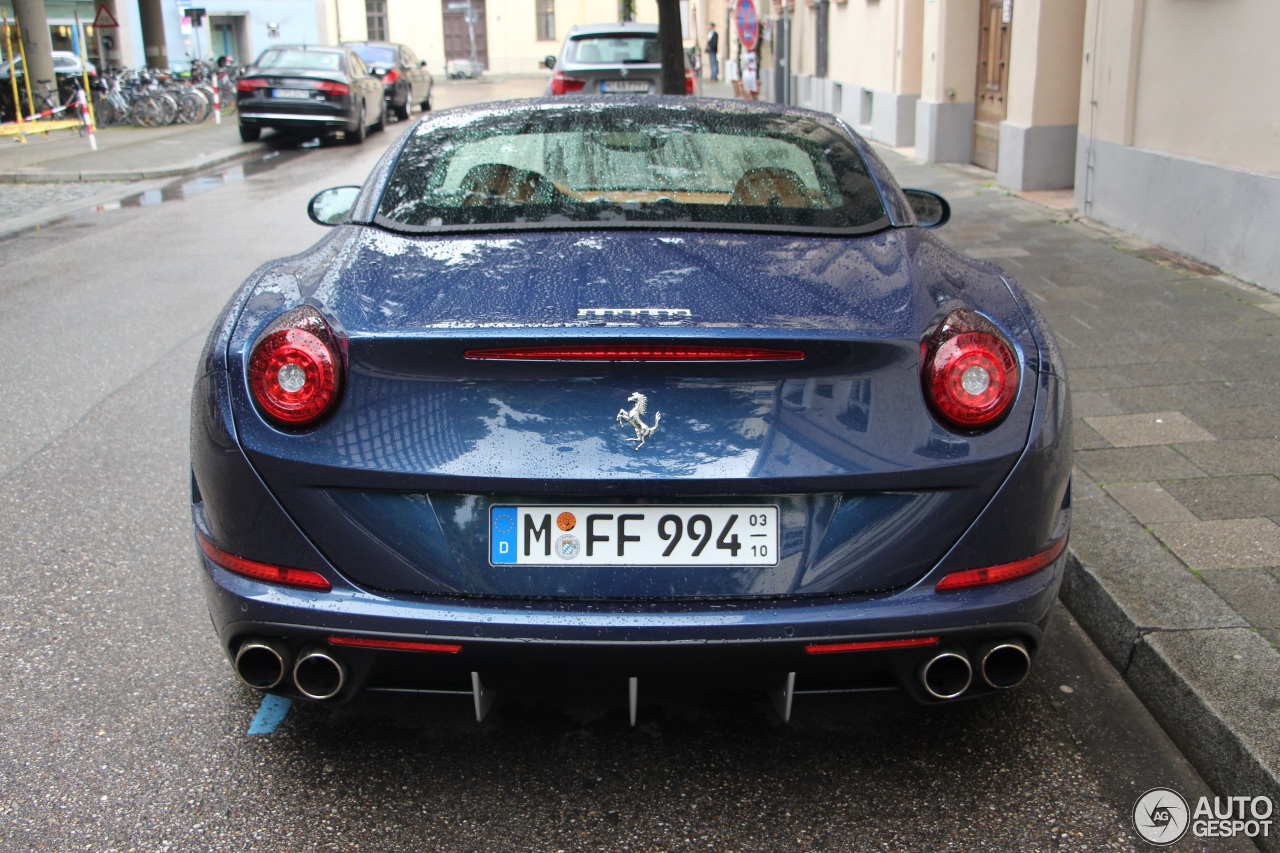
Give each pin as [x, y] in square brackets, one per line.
[630, 391]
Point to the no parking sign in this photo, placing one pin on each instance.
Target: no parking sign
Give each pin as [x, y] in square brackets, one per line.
[748, 25]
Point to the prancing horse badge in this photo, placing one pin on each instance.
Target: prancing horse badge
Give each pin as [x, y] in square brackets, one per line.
[633, 419]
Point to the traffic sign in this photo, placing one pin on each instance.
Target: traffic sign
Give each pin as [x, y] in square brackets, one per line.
[748, 25]
[104, 20]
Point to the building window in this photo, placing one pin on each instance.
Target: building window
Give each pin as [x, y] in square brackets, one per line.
[546, 20]
[375, 13]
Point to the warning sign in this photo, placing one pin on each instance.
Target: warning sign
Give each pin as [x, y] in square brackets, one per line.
[104, 19]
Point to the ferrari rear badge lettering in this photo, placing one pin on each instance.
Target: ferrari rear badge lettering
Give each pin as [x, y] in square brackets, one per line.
[618, 315]
[633, 419]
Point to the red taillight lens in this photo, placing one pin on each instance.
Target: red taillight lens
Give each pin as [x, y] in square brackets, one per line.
[970, 372]
[295, 374]
[391, 76]
[250, 84]
[562, 84]
[689, 83]
[331, 88]
[1003, 571]
[301, 578]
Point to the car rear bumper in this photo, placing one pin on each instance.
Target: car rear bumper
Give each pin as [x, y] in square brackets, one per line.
[298, 121]
[826, 644]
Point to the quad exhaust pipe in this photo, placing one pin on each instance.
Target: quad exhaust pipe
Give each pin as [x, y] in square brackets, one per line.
[263, 665]
[1001, 664]
[319, 675]
[1005, 663]
[947, 674]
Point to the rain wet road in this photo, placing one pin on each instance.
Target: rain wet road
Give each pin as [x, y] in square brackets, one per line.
[122, 726]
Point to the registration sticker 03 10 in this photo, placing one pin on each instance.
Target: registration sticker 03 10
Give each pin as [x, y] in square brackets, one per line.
[634, 535]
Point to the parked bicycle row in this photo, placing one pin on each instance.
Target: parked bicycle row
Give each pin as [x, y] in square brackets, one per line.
[133, 96]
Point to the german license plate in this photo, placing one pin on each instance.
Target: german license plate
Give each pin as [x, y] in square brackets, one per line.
[624, 86]
[633, 535]
[301, 94]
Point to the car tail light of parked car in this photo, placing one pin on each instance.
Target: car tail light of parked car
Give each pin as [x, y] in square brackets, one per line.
[970, 372]
[294, 371]
[562, 84]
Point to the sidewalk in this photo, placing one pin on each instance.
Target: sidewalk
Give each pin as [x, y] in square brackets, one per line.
[1174, 568]
[1175, 550]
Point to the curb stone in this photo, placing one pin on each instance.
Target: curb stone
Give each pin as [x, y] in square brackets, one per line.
[1206, 677]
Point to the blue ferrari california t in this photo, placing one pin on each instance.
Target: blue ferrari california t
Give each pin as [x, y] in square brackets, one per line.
[634, 390]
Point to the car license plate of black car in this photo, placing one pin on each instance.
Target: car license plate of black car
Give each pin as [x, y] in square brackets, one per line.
[294, 94]
[624, 86]
[618, 535]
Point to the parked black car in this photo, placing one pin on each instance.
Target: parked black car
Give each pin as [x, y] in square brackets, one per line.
[405, 77]
[300, 87]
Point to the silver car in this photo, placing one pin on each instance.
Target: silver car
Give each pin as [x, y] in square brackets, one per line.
[621, 58]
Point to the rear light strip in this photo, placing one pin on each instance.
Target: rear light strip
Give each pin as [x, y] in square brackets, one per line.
[871, 645]
[395, 645]
[1002, 572]
[636, 353]
[301, 578]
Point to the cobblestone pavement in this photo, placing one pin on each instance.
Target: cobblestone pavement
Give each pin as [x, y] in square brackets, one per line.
[20, 200]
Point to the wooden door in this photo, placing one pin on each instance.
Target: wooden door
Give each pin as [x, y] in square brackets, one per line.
[993, 81]
[457, 38]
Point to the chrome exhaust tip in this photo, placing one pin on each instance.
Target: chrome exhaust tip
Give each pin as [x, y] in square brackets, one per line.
[1005, 664]
[946, 675]
[319, 675]
[260, 663]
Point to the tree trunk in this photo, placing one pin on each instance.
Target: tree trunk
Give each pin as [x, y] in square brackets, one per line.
[671, 47]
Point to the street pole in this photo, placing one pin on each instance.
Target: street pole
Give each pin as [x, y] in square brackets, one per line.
[471, 31]
[786, 52]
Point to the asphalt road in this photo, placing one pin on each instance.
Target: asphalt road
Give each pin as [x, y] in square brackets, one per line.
[123, 728]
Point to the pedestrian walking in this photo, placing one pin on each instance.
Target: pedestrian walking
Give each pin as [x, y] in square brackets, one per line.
[732, 76]
[750, 75]
[713, 52]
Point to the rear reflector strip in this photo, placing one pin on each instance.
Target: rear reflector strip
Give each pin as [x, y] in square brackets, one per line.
[396, 645]
[636, 353]
[300, 578]
[1003, 572]
[870, 645]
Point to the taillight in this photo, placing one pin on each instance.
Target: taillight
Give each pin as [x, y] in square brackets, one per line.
[391, 76]
[562, 84]
[301, 578]
[331, 88]
[250, 84]
[689, 84]
[970, 373]
[295, 372]
[1004, 571]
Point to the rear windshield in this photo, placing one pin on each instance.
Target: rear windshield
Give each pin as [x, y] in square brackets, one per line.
[309, 60]
[619, 49]
[629, 164]
[376, 55]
